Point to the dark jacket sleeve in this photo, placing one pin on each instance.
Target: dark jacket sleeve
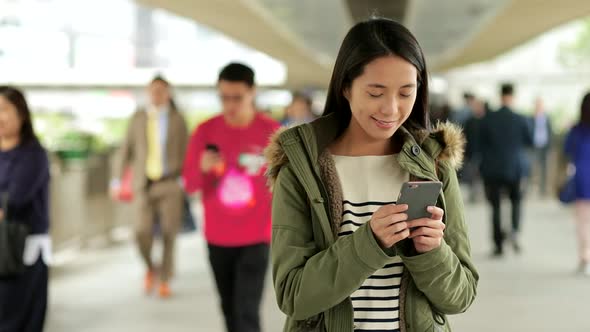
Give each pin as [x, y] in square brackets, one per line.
[482, 134]
[527, 132]
[28, 177]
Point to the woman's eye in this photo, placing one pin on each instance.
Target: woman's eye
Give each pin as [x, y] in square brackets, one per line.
[375, 96]
[406, 94]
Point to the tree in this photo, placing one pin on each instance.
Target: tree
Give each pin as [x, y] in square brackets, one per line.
[577, 53]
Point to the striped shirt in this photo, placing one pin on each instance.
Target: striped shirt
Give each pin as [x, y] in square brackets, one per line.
[376, 302]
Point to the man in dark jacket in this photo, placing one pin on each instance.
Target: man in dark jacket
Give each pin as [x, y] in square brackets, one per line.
[505, 136]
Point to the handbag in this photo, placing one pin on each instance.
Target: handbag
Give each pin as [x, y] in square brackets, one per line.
[13, 236]
[567, 191]
[125, 193]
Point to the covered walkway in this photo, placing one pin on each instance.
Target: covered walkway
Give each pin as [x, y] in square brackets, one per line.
[536, 291]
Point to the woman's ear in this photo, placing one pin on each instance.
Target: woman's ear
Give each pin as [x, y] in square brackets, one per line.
[346, 94]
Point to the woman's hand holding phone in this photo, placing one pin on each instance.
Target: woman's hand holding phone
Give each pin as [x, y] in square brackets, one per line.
[427, 233]
[389, 225]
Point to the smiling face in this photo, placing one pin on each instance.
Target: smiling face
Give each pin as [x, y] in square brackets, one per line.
[382, 98]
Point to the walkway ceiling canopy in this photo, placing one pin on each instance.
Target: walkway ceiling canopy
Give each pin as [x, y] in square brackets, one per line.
[306, 34]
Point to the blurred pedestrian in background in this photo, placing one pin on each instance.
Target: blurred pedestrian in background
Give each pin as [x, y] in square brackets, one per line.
[542, 139]
[24, 184]
[225, 163]
[461, 115]
[154, 149]
[577, 147]
[504, 138]
[470, 172]
[299, 111]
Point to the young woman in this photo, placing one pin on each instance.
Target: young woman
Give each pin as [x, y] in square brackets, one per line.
[24, 177]
[344, 255]
[577, 147]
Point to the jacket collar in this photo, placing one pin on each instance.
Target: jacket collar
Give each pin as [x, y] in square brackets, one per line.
[419, 151]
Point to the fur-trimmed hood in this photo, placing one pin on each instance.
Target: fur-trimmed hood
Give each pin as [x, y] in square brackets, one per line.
[452, 141]
[445, 143]
[275, 156]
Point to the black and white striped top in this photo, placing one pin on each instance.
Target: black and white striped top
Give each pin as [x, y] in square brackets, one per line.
[368, 183]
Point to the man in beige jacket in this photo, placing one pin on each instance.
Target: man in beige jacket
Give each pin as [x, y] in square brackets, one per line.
[154, 149]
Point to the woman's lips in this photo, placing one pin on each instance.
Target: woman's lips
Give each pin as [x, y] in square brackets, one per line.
[383, 124]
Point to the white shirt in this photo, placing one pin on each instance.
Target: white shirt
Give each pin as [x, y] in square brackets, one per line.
[541, 135]
[368, 183]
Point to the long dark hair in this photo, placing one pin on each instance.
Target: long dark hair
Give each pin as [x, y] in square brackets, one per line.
[585, 111]
[17, 98]
[365, 42]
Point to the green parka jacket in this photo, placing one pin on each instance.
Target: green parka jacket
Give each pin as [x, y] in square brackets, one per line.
[315, 272]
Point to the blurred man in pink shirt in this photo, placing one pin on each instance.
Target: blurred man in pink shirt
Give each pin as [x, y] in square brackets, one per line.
[225, 162]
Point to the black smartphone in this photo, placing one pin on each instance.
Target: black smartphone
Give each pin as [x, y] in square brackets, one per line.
[419, 195]
[212, 147]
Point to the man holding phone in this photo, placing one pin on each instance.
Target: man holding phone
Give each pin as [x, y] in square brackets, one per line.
[224, 161]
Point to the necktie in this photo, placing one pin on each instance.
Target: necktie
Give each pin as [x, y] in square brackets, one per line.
[154, 155]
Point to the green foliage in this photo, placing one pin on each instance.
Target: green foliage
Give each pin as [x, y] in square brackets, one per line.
[577, 53]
